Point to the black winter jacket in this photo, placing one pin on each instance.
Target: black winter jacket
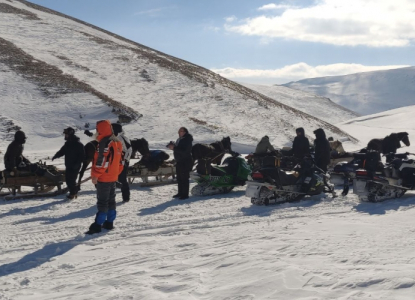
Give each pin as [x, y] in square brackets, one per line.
[183, 148]
[14, 156]
[74, 153]
[322, 149]
[301, 145]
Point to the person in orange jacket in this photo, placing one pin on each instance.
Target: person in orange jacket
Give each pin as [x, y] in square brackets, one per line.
[106, 166]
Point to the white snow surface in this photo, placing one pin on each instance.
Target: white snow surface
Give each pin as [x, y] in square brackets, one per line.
[218, 247]
[365, 93]
[320, 107]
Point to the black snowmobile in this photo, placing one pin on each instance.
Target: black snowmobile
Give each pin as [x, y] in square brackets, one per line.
[378, 183]
[273, 184]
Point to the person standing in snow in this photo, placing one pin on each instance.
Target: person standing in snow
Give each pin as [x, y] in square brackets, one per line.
[127, 150]
[182, 151]
[106, 167]
[301, 145]
[321, 149]
[74, 153]
[264, 146]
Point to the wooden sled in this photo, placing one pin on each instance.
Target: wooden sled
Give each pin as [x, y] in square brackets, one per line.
[165, 174]
[11, 186]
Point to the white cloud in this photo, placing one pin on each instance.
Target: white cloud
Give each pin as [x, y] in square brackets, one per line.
[374, 23]
[273, 6]
[230, 19]
[297, 72]
[152, 12]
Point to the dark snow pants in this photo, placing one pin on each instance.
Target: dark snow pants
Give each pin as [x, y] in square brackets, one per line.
[105, 196]
[70, 177]
[125, 187]
[183, 169]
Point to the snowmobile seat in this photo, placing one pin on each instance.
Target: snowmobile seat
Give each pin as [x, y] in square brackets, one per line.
[288, 177]
[217, 172]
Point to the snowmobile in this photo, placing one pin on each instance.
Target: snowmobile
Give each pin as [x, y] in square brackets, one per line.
[345, 171]
[273, 184]
[392, 181]
[219, 179]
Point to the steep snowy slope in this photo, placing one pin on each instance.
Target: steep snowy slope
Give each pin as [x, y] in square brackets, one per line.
[75, 64]
[365, 93]
[320, 107]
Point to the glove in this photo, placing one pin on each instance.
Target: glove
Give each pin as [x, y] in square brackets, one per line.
[88, 133]
[234, 154]
[53, 158]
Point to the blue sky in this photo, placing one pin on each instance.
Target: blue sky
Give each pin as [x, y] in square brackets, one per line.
[264, 42]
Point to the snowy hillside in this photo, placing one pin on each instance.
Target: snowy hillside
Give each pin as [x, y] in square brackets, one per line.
[365, 93]
[67, 67]
[312, 104]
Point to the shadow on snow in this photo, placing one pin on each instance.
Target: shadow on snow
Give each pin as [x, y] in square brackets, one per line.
[175, 202]
[381, 208]
[41, 256]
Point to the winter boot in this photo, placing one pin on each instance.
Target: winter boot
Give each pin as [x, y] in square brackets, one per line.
[94, 228]
[71, 197]
[108, 225]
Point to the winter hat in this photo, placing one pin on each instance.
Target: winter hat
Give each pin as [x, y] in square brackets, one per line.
[69, 131]
[116, 128]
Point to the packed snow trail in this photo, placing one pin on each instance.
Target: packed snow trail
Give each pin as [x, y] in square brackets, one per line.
[218, 247]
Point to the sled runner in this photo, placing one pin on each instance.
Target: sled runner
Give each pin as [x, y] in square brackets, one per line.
[11, 184]
[164, 174]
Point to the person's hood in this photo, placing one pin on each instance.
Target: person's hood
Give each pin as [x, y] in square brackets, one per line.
[188, 136]
[301, 129]
[265, 139]
[104, 129]
[320, 134]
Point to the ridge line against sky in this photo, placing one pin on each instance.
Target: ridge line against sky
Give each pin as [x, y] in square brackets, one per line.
[263, 42]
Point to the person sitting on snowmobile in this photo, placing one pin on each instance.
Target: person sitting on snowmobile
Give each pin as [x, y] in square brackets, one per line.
[337, 149]
[14, 160]
[264, 146]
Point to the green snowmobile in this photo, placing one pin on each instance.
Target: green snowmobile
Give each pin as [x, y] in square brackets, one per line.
[220, 179]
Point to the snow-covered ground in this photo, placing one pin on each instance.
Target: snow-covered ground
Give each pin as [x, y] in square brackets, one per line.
[219, 247]
[366, 93]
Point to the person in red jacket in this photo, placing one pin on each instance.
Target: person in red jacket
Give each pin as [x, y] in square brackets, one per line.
[106, 166]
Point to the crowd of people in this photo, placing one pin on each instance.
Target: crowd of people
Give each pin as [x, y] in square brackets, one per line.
[111, 161]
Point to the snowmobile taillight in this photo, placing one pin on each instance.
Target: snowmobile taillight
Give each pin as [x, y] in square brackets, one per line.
[257, 175]
[361, 173]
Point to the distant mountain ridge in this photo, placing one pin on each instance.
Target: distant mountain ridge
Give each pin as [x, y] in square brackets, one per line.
[365, 93]
[320, 107]
[61, 68]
